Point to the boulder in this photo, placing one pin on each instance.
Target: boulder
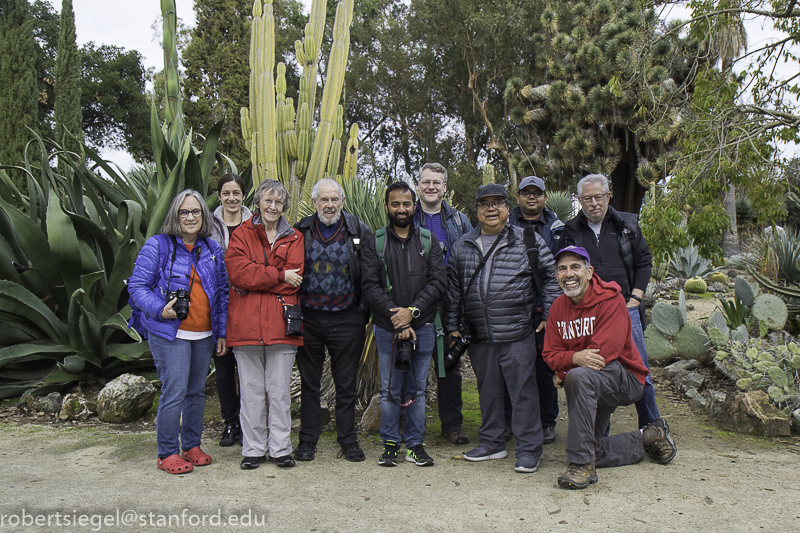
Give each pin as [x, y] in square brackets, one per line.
[44, 404]
[696, 399]
[371, 420]
[715, 406]
[796, 422]
[752, 413]
[683, 365]
[689, 380]
[76, 407]
[125, 399]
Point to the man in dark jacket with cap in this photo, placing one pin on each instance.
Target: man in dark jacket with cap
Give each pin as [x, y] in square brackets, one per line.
[532, 213]
[491, 296]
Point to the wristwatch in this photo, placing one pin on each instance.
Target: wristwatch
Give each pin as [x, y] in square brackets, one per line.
[414, 311]
[637, 298]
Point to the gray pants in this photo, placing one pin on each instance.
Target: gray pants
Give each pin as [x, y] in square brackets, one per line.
[265, 371]
[513, 362]
[592, 395]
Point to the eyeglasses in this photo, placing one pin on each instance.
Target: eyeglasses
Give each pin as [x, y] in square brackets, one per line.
[428, 183]
[274, 203]
[196, 213]
[497, 204]
[528, 194]
[597, 198]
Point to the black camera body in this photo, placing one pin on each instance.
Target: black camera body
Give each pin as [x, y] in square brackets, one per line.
[402, 359]
[181, 306]
[452, 357]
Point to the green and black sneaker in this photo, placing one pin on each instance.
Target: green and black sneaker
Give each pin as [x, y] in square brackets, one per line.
[389, 455]
[418, 456]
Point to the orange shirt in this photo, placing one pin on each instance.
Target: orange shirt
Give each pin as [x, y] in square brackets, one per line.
[199, 318]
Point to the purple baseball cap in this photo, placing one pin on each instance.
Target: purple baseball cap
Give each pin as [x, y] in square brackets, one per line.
[577, 250]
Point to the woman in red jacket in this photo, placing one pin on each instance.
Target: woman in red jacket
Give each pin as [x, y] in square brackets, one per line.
[264, 259]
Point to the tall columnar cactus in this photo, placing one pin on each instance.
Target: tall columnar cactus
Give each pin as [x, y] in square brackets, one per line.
[284, 142]
[173, 114]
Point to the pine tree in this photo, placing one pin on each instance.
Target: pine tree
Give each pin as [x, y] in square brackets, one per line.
[68, 80]
[18, 84]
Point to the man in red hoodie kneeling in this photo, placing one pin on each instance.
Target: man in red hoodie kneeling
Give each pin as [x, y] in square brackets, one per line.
[589, 347]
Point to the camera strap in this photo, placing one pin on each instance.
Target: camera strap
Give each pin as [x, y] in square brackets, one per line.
[413, 397]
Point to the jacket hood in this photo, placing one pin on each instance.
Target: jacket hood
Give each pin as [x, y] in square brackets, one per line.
[599, 291]
[284, 229]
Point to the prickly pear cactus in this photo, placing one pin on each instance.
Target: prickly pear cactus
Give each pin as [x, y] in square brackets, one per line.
[692, 343]
[744, 291]
[666, 318]
[719, 339]
[682, 306]
[771, 310]
[717, 320]
[658, 346]
[740, 335]
[717, 277]
[695, 286]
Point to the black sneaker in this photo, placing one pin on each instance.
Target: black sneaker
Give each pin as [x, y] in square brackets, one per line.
[231, 435]
[658, 442]
[251, 463]
[418, 456]
[389, 455]
[352, 452]
[305, 451]
[549, 434]
[284, 461]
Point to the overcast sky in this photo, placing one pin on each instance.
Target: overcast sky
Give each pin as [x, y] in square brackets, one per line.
[129, 24]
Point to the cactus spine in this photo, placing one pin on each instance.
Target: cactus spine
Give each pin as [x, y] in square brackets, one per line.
[284, 142]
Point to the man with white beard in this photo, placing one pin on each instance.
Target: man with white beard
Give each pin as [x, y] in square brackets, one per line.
[333, 316]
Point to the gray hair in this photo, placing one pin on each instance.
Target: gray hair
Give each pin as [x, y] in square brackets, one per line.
[172, 222]
[325, 181]
[593, 178]
[273, 188]
[433, 167]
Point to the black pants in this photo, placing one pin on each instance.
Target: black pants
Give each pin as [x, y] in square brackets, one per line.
[344, 336]
[449, 396]
[226, 388]
[548, 394]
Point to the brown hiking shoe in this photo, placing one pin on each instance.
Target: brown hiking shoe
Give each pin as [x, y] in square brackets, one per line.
[578, 476]
[658, 442]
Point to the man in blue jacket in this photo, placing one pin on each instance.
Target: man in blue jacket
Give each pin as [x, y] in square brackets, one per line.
[448, 224]
[532, 198]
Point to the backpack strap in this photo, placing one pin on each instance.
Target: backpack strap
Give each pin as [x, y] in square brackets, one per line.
[425, 235]
[380, 248]
[532, 245]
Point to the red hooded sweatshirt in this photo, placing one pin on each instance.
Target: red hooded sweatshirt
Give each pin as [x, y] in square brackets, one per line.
[600, 321]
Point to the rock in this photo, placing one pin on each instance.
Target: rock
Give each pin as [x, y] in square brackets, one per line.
[125, 399]
[689, 380]
[752, 413]
[696, 399]
[715, 406]
[76, 407]
[796, 422]
[371, 420]
[683, 365]
[44, 404]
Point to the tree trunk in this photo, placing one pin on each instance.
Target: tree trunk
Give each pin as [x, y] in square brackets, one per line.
[730, 237]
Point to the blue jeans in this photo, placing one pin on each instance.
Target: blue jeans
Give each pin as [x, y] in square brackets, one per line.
[415, 379]
[182, 368]
[646, 406]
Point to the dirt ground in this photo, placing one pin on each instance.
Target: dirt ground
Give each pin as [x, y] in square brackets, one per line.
[107, 477]
[718, 482]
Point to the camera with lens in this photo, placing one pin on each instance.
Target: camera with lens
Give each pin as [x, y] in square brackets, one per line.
[402, 360]
[452, 357]
[181, 306]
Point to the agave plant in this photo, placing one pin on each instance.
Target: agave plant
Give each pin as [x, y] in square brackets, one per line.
[687, 263]
[562, 204]
[734, 311]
